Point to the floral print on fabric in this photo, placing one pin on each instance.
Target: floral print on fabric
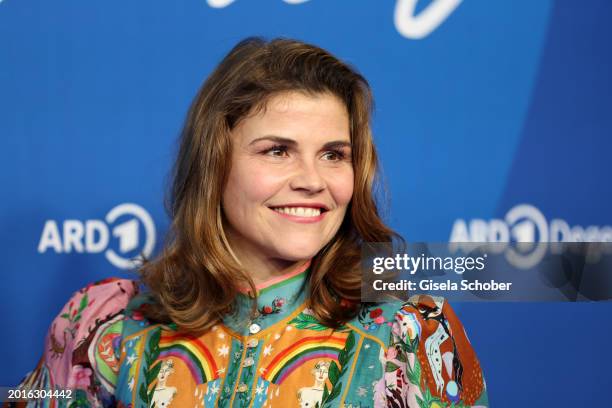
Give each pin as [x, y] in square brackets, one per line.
[276, 306]
[73, 358]
[414, 354]
[371, 318]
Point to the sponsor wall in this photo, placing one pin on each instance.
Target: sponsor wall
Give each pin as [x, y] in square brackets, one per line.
[492, 123]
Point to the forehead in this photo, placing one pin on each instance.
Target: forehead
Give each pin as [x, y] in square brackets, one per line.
[296, 101]
[299, 116]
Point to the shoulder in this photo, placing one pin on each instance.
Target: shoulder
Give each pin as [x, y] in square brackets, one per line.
[431, 318]
[376, 320]
[91, 307]
[82, 341]
[87, 312]
[418, 308]
[421, 317]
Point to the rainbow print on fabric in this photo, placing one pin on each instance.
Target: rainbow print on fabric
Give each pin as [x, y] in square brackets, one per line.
[308, 348]
[191, 351]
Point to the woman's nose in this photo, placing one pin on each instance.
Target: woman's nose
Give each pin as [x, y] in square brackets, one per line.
[307, 177]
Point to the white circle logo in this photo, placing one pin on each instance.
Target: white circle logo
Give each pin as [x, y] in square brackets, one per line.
[529, 229]
[127, 233]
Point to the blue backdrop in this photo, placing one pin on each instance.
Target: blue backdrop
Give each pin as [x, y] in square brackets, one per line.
[488, 112]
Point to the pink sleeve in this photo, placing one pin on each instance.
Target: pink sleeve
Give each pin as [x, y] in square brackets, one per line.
[71, 355]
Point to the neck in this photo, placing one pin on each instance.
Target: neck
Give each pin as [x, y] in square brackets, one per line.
[262, 271]
[260, 268]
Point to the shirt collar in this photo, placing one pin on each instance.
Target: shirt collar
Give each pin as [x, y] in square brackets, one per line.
[277, 298]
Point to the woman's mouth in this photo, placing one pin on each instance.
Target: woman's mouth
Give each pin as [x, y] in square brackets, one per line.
[301, 213]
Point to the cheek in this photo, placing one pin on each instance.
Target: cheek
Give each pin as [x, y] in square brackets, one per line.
[341, 187]
[250, 185]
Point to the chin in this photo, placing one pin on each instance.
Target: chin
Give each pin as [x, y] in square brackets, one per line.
[299, 252]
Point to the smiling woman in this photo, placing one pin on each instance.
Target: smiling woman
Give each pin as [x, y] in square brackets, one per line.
[286, 196]
[255, 300]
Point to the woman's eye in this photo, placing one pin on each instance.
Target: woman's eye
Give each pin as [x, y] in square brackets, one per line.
[333, 155]
[276, 151]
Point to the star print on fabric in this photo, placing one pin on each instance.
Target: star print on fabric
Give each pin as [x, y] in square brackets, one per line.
[259, 389]
[277, 336]
[213, 390]
[223, 350]
[367, 346]
[131, 384]
[267, 350]
[221, 335]
[362, 392]
[131, 358]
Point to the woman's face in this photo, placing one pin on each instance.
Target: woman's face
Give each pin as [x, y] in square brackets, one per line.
[291, 178]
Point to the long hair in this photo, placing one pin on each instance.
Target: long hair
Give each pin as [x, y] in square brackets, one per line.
[195, 280]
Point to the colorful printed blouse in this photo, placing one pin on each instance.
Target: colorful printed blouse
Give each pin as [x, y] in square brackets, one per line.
[414, 354]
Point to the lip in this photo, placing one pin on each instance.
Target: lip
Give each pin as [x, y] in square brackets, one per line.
[302, 220]
[305, 205]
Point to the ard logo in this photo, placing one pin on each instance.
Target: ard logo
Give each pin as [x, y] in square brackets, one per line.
[527, 234]
[118, 236]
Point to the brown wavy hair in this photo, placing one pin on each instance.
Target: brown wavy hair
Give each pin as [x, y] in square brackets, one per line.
[195, 280]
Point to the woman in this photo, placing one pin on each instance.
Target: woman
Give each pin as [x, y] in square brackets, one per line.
[255, 300]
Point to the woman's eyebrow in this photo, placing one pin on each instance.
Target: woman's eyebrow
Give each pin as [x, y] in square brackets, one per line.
[290, 142]
[337, 144]
[276, 139]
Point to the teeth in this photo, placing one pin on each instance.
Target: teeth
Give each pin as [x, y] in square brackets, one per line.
[299, 211]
